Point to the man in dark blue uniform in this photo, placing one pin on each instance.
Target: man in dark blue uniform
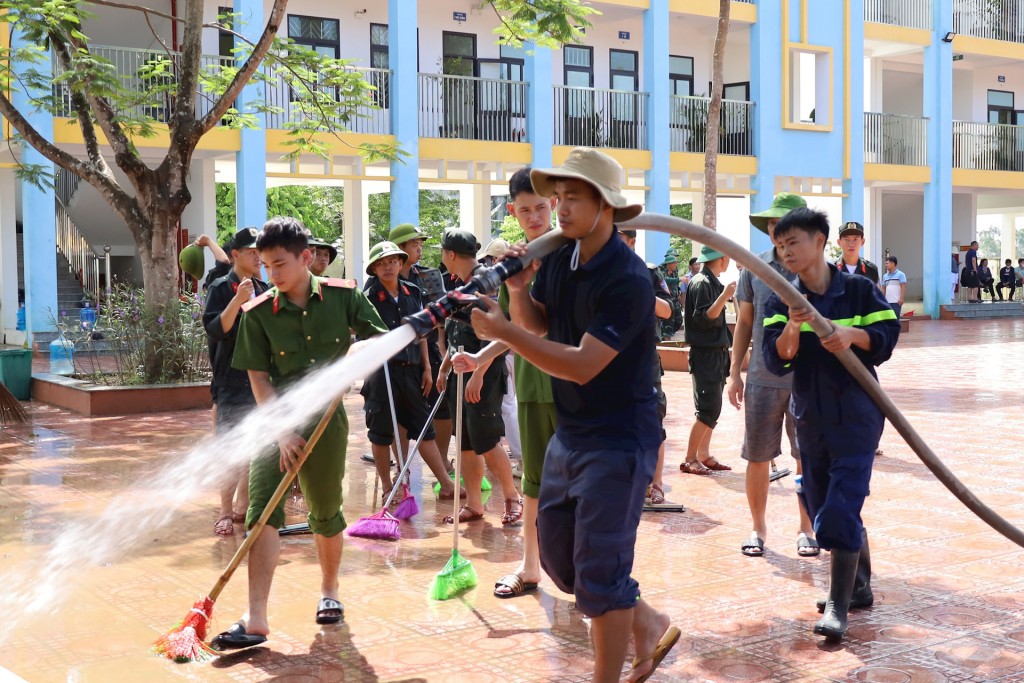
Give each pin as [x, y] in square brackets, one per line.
[594, 301]
[838, 425]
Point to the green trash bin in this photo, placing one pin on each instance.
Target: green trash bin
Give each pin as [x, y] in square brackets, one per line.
[16, 372]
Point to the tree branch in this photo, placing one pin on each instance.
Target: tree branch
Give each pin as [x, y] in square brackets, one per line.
[81, 106]
[188, 67]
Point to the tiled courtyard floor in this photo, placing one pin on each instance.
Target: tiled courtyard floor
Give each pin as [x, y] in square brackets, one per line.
[949, 590]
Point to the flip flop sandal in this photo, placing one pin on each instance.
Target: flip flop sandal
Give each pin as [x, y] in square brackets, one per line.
[515, 585]
[694, 467]
[512, 517]
[466, 514]
[238, 518]
[753, 546]
[713, 464]
[806, 546]
[656, 495]
[667, 642]
[225, 526]
[235, 638]
[329, 611]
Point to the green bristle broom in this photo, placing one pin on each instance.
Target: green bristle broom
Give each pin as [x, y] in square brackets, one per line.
[458, 575]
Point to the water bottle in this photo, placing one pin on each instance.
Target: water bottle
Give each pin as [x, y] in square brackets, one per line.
[87, 317]
[20, 326]
[798, 480]
[62, 354]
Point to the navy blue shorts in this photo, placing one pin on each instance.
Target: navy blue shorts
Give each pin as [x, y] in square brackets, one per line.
[589, 509]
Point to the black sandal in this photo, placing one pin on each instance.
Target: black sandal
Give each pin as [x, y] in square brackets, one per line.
[753, 546]
[329, 611]
[236, 638]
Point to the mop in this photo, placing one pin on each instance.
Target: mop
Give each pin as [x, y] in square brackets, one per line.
[458, 575]
[184, 642]
[777, 473]
[384, 525]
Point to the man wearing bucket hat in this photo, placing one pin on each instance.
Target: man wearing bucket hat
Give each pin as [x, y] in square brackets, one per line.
[593, 299]
[323, 255]
[670, 267]
[411, 376]
[765, 398]
[708, 337]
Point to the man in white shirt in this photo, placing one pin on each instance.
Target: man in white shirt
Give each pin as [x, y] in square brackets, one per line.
[894, 284]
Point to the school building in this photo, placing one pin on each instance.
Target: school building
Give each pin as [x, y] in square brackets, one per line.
[904, 115]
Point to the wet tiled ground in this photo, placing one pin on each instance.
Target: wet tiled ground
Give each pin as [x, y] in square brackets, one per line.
[949, 591]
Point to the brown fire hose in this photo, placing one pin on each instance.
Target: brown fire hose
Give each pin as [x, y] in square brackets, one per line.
[823, 327]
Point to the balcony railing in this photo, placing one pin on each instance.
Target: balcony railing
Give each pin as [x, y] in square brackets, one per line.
[995, 19]
[470, 108]
[688, 126]
[595, 117]
[374, 118]
[908, 13]
[894, 139]
[988, 146]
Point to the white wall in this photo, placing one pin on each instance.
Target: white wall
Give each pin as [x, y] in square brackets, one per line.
[688, 40]
[902, 93]
[964, 217]
[983, 80]
[902, 234]
[128, 28]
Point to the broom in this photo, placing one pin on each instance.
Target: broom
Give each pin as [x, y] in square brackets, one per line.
[184, 642]
[384, 525]
[458, 575]
[11, 409]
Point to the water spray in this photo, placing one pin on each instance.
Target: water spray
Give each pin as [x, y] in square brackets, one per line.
[823, 328]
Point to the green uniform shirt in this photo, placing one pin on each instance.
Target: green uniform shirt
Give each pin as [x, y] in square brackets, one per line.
[533, 385]
[278, 337]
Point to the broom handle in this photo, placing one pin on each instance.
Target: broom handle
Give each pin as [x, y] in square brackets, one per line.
[458, 459]
[282, 488]
[394, 426]
[415, 447]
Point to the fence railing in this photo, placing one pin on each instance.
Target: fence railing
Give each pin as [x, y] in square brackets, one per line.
[595, 117]
[995, 19]
[988, 146]
[908, 13]
[371, 118]
[471, 108]
[895, 139]
[688, 124]
[82, 259]
[65, 183]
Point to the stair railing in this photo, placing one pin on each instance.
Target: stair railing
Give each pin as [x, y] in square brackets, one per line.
[81, 257]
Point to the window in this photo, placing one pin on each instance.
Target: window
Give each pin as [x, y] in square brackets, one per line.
[579, 66]
[459, 54]
[513, 62]
[1000, 106]
[319, 35]
[380, 59]
[680, 75]
[623, 73]
[508, 67]
[736, 91]
[808, 85]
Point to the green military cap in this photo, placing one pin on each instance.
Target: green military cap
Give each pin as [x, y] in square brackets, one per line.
[670, 257]
[708, 254]
[460, 241]
[316, 243]
[403, 232]
[783, 203]
[383, 250]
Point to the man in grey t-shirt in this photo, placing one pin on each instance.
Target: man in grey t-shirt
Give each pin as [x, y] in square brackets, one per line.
[767, 395]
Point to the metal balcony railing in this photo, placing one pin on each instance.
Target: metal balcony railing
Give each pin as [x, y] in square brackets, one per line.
[988, 146]
[595, 117]
[472, 108]
[688, 126]
[995, 19]
[908, 13]
[374, 118]
[894, 139]
[83, 262]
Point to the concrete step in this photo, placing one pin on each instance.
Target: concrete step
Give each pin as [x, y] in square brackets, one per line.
[983, 311]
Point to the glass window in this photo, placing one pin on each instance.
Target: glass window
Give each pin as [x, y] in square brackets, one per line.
[1000, 106]
[680, 75]
[380, 59]
[320, 35]
[578, 56]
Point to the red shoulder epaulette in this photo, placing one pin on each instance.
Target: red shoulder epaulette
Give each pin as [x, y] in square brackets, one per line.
[253, 303]
[339, 282]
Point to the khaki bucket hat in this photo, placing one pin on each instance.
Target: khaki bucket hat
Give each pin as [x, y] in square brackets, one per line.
[595, 168]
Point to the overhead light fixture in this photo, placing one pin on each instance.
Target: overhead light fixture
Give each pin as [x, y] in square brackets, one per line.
[948, 38]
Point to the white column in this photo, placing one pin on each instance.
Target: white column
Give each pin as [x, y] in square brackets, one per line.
[1009, 240]
[200, 216]
[8, 252]
[357, 232]
[482, 213]
[874, 239]
[697, 199]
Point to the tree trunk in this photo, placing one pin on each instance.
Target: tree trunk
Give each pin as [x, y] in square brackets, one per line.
[158, 250]
[711, 134]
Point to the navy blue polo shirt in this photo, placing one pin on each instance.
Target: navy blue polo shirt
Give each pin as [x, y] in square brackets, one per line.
[609, 297]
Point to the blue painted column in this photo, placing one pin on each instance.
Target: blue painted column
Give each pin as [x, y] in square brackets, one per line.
[251, 159]
[766, 93]
[38, 214]
[540, 104]
[659, 102]
[938, 194]
[853, 178]
[405, 107]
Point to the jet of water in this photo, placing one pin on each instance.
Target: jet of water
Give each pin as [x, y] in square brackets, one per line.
[155, 499]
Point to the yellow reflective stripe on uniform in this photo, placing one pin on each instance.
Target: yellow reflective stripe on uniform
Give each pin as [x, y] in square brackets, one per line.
[856, 321]
[777, 318]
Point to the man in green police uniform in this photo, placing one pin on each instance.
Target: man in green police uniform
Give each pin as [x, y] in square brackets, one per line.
[299, 325]
[670, 269]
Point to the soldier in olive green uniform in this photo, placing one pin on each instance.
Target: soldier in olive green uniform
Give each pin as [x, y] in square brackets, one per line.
[670, 269]
[296, 327]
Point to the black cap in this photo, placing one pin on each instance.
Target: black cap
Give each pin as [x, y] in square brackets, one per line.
[629, 233]
[851, 228]
[245, 238]
[460, 241]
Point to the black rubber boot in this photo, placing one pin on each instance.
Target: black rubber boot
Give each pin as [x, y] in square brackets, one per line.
[832, 624]
[862, 596]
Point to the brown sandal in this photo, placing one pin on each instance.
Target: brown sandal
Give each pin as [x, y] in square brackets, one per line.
[224, 526]
[695, 467]
[466, 514]
[512, 517]
[713, 464]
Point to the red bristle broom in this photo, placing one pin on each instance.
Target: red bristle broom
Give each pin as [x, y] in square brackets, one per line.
[185, 642]
[384, 525]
